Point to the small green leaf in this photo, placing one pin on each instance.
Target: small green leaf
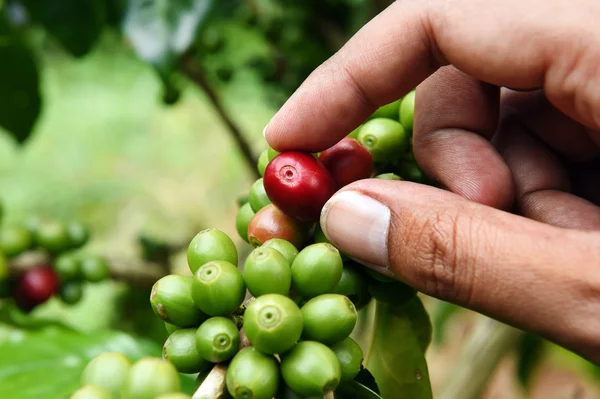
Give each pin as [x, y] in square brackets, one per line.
[354, 390]
[162, 30]
[20, 100]
[530, 352]
[48, 363]
[76, 24]
[394, 339]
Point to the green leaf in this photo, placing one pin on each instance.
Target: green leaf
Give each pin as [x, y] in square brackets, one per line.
[75, 24]
[354, 390]
[394, 339]
[365, 378]
[48, 363]
[20, 100]
[162, 30]
[530, 352]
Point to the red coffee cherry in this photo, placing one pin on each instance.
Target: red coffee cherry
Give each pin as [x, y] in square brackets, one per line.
[347, 161]
[299, 185]
[35, 286]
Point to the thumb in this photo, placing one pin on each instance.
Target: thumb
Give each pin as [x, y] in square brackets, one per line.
[516, 270]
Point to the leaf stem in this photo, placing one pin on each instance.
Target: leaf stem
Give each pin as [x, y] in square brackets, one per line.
[193, 70]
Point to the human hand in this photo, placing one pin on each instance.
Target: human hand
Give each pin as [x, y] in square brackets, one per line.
[533, 152]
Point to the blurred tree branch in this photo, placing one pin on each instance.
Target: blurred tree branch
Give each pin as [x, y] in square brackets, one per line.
[193, 70]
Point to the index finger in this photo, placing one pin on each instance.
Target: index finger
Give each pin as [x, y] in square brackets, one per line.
[522, 44]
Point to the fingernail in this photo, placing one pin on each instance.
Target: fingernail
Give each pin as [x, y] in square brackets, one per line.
[358, 225]
[265, 131]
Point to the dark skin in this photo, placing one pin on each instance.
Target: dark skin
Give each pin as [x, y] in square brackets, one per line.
[515, 233]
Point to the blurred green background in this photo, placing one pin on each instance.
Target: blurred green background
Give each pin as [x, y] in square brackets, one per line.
[136, 145]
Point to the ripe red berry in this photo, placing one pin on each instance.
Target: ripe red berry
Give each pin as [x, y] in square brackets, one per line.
[270, 223]
[36, 286]
[347, 161]
[299, 185]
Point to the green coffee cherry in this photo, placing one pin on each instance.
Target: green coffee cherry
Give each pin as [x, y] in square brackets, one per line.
[68, 267]
[384, 138]
[258, 198]
[286, 248]
[210, 245]
[94, 268]
[242, 220]
[317, 269]
[92, 392]
[71, 292]
[217, 339]
[3, 267]
[218, 288]
[350, 356]
[150, 377]
[273, 323]
[78, 234]
[272, 153]
[174, 395]
[320, 237]
[180, 350]
[252, 375]
[107, 370]
[410, 171]
[266, 271]
[171, 300]
[311, 369]
[353, 284]
[388, 176]
[263, 161]
[406, 110]
[14, 240]
[171, 328]
[389, 111]
[328, 318]
[394, 294]
[52, 236]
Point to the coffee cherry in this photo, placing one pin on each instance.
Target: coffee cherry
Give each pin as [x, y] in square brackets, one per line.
[171, 328]
[180, 349]
[14, 240]
[78, 234]
[94, 268]
[217, 339]
[218, 288]
[385, 139]
[350, 356]
[317, 270]
[92, 392]
[347, 161]
[406, 111]
[286, 248]
[252, 375]
[52, 236]
[328, 318]
[258, 198]
[35, 286]
[273, 323]
[68, 267]
[389, 111]
[270, 222]
[388, 176]
[299, 185]
[320, 237]
[311, 369]
[263, 161]
[209, 245]
[266, 271]
[353, 284]
[174, 395]
[71, 292]
[171, 300]
[107, 370]
[242, 220]
[410, 171]
[150, 377]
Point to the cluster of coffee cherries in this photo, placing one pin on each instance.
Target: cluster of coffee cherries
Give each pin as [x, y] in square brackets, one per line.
[112, 375]
[281, 321]
[46, 261]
